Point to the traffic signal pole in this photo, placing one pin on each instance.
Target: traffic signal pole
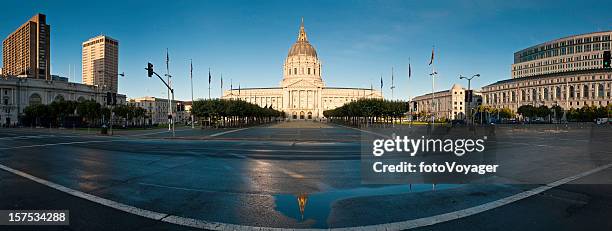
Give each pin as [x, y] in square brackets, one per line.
[469, 109]
[150, 73]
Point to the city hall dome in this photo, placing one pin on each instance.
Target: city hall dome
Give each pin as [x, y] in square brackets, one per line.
[302, 46]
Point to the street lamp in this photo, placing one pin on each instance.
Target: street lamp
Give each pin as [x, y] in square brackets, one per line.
[469, 79]
[433, 96]
[114, 93]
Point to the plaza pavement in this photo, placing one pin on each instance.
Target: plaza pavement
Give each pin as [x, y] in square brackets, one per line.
[253, 177]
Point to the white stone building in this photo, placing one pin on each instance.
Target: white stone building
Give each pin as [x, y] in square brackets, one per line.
[157, 110]
[450, 104]
[16, 93]
[302, 93]
[567, 72]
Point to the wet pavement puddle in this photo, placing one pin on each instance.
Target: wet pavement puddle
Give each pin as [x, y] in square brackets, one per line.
[317, 206]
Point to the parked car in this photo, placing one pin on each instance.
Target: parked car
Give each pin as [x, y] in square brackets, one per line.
[457, 122]
[602, 120]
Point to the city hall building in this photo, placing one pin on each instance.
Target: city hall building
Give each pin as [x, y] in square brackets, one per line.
[302, 93]
[568, 72]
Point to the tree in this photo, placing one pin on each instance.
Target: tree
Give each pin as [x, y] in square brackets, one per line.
[222, 112]
[506, 113]
[368, 111]
[557, 111]
[527, 111]
[37, 114]
[543, 111]
[90, 111]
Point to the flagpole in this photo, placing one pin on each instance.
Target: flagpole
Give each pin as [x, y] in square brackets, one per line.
[169, 84]
[392, 84]
[409, 75]
[433, 94]
[408, 92]
[221, 85]
[209, 79]
[191, 79]
[381, 86]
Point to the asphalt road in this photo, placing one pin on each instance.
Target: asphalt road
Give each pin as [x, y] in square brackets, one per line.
[254, 177]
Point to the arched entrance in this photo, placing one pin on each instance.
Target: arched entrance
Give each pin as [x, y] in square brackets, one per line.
[302, 115]
[294, 115]
[309, 115]
[35, 99]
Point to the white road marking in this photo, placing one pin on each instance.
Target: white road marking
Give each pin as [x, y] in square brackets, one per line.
[154, 133]
[203, 190]
[226, 132]
[274, 150]
[409, 224]
[25, 137]
[54, 144]
[89, 197]
[526, 144]
[371, 132]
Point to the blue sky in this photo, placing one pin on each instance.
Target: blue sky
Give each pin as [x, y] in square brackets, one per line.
[357, 41]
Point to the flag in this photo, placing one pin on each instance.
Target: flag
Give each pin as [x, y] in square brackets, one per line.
[231, 84]
[221, 81]
[238, 89]
[409, 69]
[392, 78]
[432, 56]
[191, 69]
[209, 77]
[381, 82]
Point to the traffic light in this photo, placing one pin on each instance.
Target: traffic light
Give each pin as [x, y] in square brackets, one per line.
[114, 99]
[468, 96]
[606, 59]
[150, 69]
[180, 107]
[109, 99]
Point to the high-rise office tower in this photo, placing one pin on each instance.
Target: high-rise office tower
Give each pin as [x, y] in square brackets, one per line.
[100, 62]
[26, 51]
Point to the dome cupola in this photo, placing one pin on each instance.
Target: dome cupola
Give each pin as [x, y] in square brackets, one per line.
[302, 63]
[302, 46]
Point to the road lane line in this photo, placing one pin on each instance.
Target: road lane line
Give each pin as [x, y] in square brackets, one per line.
[427, 221]
[25, 137]
[226, 132]
[361, 130]
[89, 197]
[154, 133]
[54, 144]
[408, 224]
